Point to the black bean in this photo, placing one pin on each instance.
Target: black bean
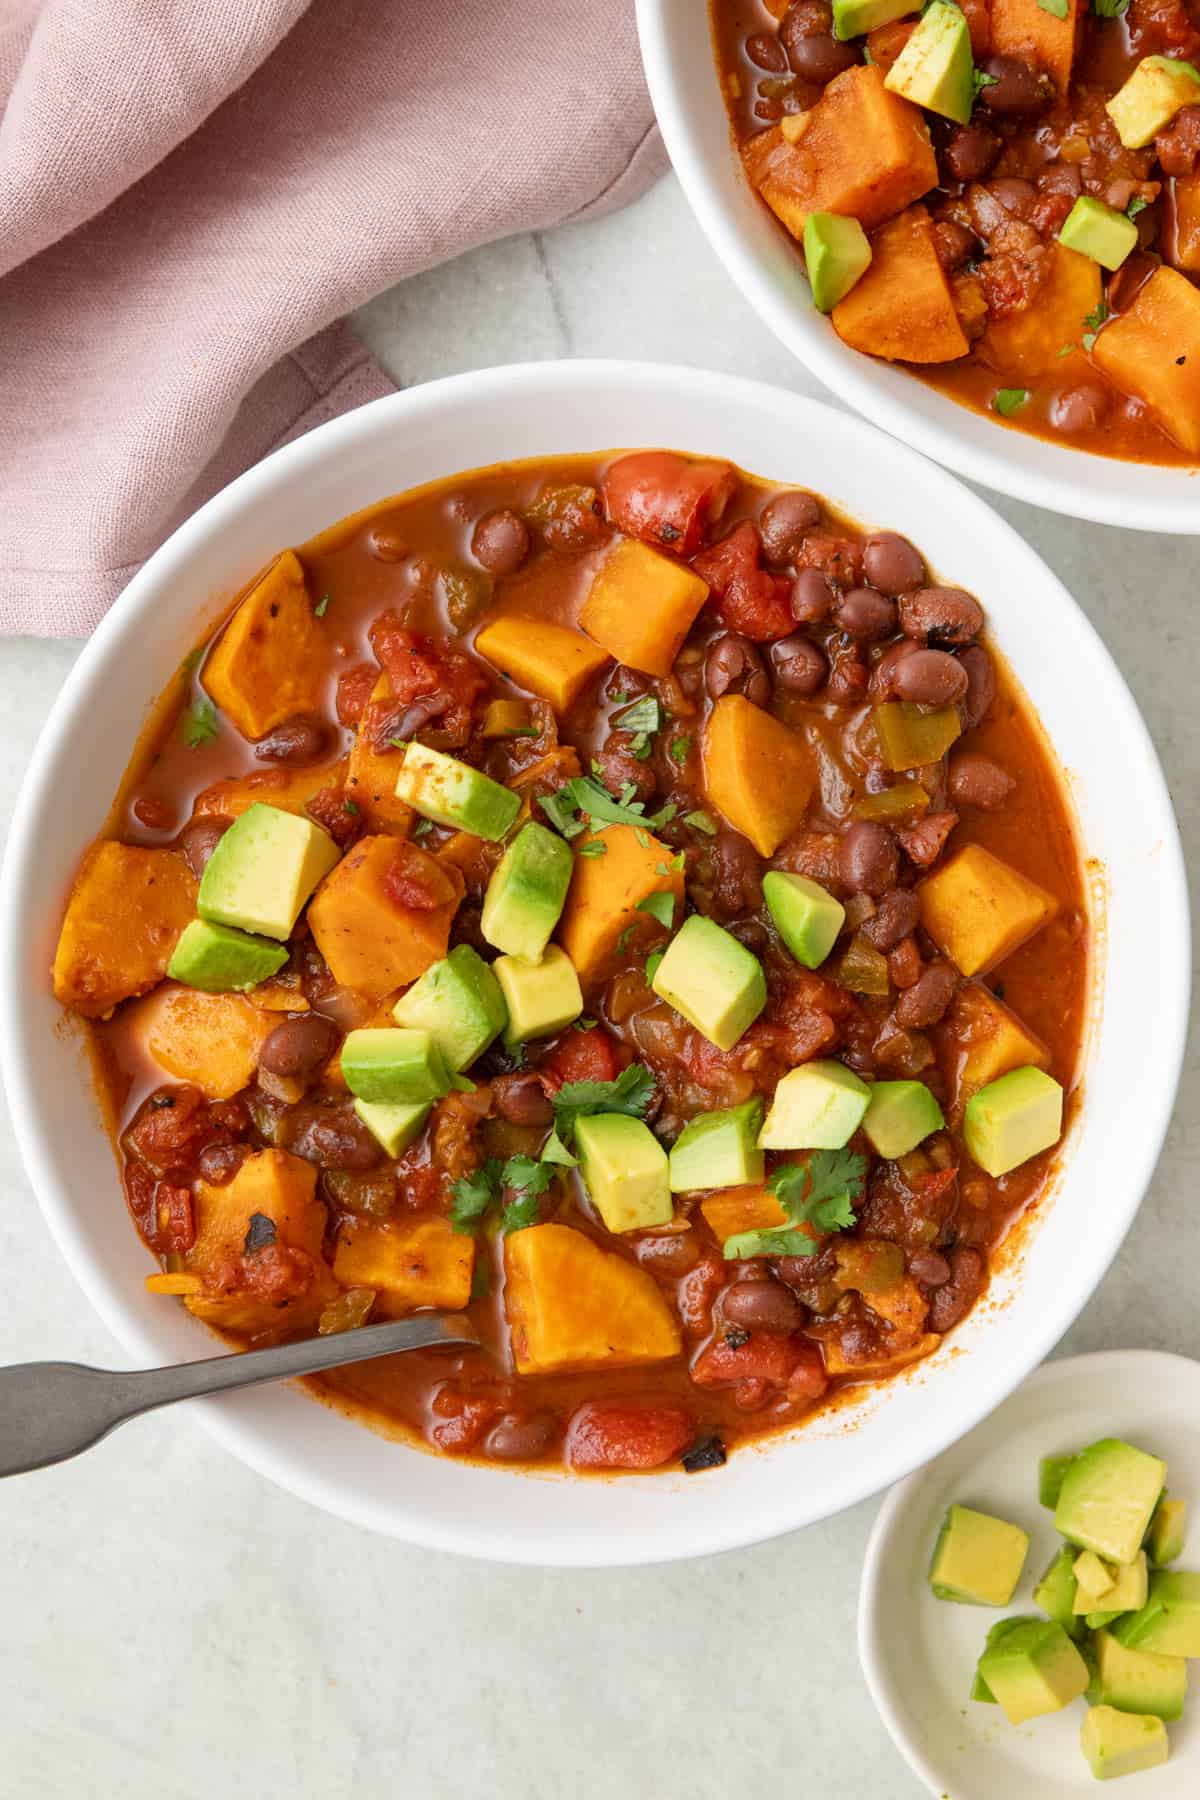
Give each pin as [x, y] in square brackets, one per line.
[892, 564]
[1016, 90]
[298, 1047]
[822, 56]
[1079, 408]
[199, 838]
[868, 858]
[895, 917]
[736, 875]
[521, 1099]
[926, 1000]
[941, 616]
[798, 664]
[734, 666]
[981, 685]
[762, 1306]
[297, 742]
[970, 151]
[811, 598]
[930, 678]
[622, 767]
[975, 780]
[500, 541]
[784, 521]
[866, 614]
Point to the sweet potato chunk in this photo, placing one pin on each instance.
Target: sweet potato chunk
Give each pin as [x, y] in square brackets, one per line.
[124, 916]
[979, 910]
[735, 1210]
[757, 772]
[1028, 343]
[641, 606]
[605, 891]
[419, 1262]
[371, 776]
[210, 1040]
[983, 1039]
[383, 915]
[550, 660]
[571, 1305]
[1184, 238]
[1024, 28]
[258, 1248]
[837, 1363]
[1153, 351]
[280, 1186]
[902, 308]
[266, 666]
[863, 151]
[288, 789]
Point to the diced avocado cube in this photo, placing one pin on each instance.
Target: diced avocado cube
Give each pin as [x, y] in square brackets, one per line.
[1093, 1580]
[1131, 1587]
[1098, 1621]
[263, 870]
[1107, 1498]
[1168, 1529]
[935, 69]
[981, 1691]
[818, 1106]
[1055, 1592]
[459, 1002]
[1012, 1119]
[624, 1168]
[1158, 88]
[806, 917]
[977, 1559]
[1139, 1681]
[979, 1688]
[837, 253]
[393, 1067]
[900, 1115]
[452, 793]
[1051, 1470]
[1169, 1623]
[395, 1127]
[711, 979]
[220, 960]
[527, 892]
[854, 18]
[1120, 1743]
[719, 1149]
[1098, 230]
[1034, 1669]
[541, 997]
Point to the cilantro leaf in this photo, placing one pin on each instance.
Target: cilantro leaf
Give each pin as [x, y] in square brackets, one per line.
[471, 1195]
[1109, 9]
[1136, 205]
[555, 1151]
[819, 1194]
[645, 715]
[630, 1094]
[200, 723]
[1097, 316]
[590, 797]
[680, 748]
[596, 848]
[560, 809]
[660, 906]
[1007, 400]
[701, 821]
[1057, 9]
[322, 607]
[768, 1243]
[624, 941]
[524, 1181]
[982, 80]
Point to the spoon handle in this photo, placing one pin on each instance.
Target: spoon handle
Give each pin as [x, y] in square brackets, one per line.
[50, 1411]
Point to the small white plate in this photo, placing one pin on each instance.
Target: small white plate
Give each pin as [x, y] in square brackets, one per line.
[919, 1654]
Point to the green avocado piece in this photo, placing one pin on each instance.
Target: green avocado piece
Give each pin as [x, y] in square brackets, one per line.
[1120, 1743]
[836, 254]
[527, 892]
[1051, 1470]
[541, 997]
[935, 69]
[1139, 1681]
[1098, 1621]
[1093, 1579]
[395, 1127]
[1169, 1623]
[979, 1688]
[806, 917]
[624, 1169]
[220, 960]
[854, 18]
[1055, 1592]
[818, 1106]
[1168, 1529]
[1158, 88]
[452, 793]
[390, 1066]
[719, 1149]
[1107, 1498]
[1099, 231]
[1033, 1669]
[715, 982]
[900, 1115]
[458, 1000]
[1012, 1119]
[263, 870]
[977, 1559]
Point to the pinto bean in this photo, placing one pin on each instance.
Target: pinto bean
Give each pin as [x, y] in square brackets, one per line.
[1017, 90]
[500, 541]
[866, 614]
[199, 838]
[941, 616]
[297, 1048]
[976, 780]
[798, 664]
[981, 685]
[883, 675]
[1080, 408]
[892, 564]
[334, 1138]
[869, 858]
[761, 1306]
[734, 666]
[930, 1269]
[895, 917]
[812, 597]
[954, 1298]
[930, 678]
[926, 1000]
[521, 1099]
[784, 521]
[297, 742]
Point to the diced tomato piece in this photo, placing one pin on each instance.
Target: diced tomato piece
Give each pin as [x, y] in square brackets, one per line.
[749, 598]
[667, 500]
[840, 558]
[420, 669]
[139, 1194]
[354, 690]
[175, 1218]
[277, 1273]
[343, 822]
[764, 1356]
[808, 1379]
[697, 1292]
[406, 657]
[459, 1419]
[603, 1436]
[583, 1056]
[413, 887]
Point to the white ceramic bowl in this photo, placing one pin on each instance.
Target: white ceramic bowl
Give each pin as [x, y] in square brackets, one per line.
[762, 259]
[1126, 819]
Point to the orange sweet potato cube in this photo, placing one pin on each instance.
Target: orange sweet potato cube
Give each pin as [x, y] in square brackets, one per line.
[1153, 351]
[903, 308]
[417, 1262]
[371, 776]
[757, 772]
[604, 895]
[267, 666]
[981, 1039]
[1025, 29]
[862, 151]
[734, 1210]
[978, 910]
[572, 1305]
[126, 910]
[210, 1040]
[1027, 344]
[288, 789]
[641, 606]
[1184, 236]
[552, 661]
[281, 1188]
[365, 922]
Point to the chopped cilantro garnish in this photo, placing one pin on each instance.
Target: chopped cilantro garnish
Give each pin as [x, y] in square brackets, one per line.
[630, 1094]
[1007, 400]
[643, 717]
[1108, 9]
[982, 80]
[555, 1151]
[624, 941]
[1057, 9]
[526, 1180]
[680, 748]
[701, 821]
[322, 607]
[471, 1195]
[660, 906]
[200, 724]
[351, 807]
[560, 809]
[585, 1023]
[422, 828]
[819, 1194]
[590, 797]
[1136, 205]
[596, 848]
[1066, 349]
[1096, 317]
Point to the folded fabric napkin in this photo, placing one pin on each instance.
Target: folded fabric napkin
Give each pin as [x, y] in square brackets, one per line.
[194, 192]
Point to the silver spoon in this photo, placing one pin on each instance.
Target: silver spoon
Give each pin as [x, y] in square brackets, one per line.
[50, 1411]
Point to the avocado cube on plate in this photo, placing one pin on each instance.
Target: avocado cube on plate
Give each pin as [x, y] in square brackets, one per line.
[935, 69]
[527, 893]
[1159, 87]
[459, 1002]
[452, 793]
[854, 18]
[624, 1169]
[392, 1067]
[818, 1106]
[219, 960]
[900, 1115]
[1051, 1470]
[805, 915]
[719, 1149]
[394, 1127]
[1107, 1498]
[1012, 1119]
[712, 979]
[1138, 1681]
[1120, 1743]
[977, 1559]
[1098, 230]
[541, 997]
[1093, 1579]
[1055, 1592]
[1169, 1623]
[836, 253]
[1168, 1529]
[1033, 1669]
[263, 870]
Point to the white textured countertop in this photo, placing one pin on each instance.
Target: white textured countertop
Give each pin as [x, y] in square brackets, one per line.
[174, 1627]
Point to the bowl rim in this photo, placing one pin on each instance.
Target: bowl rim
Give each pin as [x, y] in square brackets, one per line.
[855, 378]
[247, 1439]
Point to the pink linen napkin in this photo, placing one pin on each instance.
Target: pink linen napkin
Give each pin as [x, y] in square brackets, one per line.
[194, 192]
